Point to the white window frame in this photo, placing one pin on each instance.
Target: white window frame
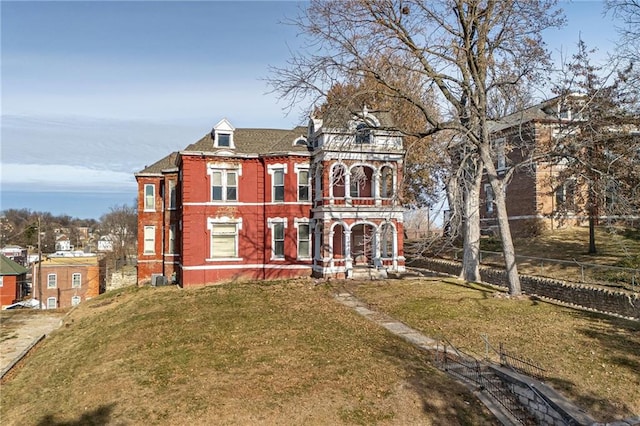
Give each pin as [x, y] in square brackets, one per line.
[75, 300]
[300, 168]
[172, 184]
[211, 222]
[1, 280]
[387, 240]
[149, 203]
[383, 186]
[489, 198]
[223, 127]
[149, 244]
[55, 303]
[49, 281]
[271, 170]
[297, 223]
[271, 224]
[73, 280]
[501, 158]
[224, 169]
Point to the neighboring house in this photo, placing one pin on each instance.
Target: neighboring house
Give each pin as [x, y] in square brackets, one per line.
[16, 253]
[535, 198]
[268, 203]
[13, 278]
[105, 243]
[63, 243]
[66, 281]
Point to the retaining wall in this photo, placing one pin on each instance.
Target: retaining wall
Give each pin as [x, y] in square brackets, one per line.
[579, 295]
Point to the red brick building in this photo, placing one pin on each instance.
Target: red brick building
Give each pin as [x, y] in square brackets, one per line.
[13, 277]
[66, 281]
[268, 203]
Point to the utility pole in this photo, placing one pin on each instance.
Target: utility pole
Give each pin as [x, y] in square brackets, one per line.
[39, 265]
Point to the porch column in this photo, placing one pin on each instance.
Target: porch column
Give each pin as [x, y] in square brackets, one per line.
[348, 260]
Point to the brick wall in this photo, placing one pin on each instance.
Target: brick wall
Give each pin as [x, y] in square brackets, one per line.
[583, 296]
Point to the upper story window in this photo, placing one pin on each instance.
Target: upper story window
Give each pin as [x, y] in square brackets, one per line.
[222, 134]
[338, 180]
[488, 190]
[52, 281]
[149, 197]
[361, 179]
[224, 185]
[363, 133]
[277, 172]
[172, 194]
[304, 184]
[76, 280]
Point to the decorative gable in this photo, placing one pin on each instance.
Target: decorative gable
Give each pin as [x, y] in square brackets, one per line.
[222, 135]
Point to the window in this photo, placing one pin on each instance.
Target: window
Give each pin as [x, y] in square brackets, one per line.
[363, 133]
[150, 197]
[172, 194]
[278, 185]
[76, 280]
[52, 281]
[52, 303]
[387, 182]
[488, 198]
[303, 185]
[224, 139]
[224, 240]
[149, 239]
[277, 232]
[565, 194]
[499, 149]
[224, 185]
[304, 242]
[1, 281]
[172, 239]
[75, 300]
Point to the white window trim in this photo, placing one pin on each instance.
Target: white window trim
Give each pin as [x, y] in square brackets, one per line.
[304, 221]
[144, 198]
[298, 168]
[55, 302]
[490, 208]
[175, 194]
[224, 220]
[1, 280]
[144, 239]
[270, 222]
[55, 281]
[224, 167]
[74, 298]
[79, 280]
[271, 168]
[224, 127]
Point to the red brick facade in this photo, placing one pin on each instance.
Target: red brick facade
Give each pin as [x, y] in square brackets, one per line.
[66, 281]
[258, 204]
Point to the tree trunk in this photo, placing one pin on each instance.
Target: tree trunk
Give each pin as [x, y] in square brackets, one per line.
[508, 250]
[471, 223]
[593, 217]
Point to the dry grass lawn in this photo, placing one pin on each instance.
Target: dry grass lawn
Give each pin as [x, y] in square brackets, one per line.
[278, 353]
[592, 359]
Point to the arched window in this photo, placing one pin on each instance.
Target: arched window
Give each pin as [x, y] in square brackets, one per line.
[338, 178]
[386, 240]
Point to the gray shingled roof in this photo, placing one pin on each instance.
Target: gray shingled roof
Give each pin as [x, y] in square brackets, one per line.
[257, 141]
[535, 112]
[246, 141]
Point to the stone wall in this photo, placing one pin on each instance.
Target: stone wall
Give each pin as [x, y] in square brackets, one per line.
[122, 278]
[579, 295]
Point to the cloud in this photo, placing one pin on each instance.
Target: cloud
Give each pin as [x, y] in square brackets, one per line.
[62, 177]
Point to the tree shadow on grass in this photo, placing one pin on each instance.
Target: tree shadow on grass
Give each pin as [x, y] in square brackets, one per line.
[444, 401]
[99, 416]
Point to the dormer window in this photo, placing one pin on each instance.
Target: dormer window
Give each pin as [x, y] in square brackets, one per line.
[224, 140]
[363, 133]
[222, 134]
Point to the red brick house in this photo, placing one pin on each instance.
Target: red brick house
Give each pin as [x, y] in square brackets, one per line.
[269, 203]
[66, 281]
[13, 277]
[535, 200]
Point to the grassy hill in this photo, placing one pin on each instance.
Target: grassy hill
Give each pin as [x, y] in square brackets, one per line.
[278, 353]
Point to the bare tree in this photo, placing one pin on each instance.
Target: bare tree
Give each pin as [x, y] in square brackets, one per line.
[121, 224]
[597, 144]
[465, 52]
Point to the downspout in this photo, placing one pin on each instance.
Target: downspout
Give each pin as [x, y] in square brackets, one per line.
[264, 218]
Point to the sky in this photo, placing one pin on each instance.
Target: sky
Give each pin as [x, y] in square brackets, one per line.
[92, 92]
